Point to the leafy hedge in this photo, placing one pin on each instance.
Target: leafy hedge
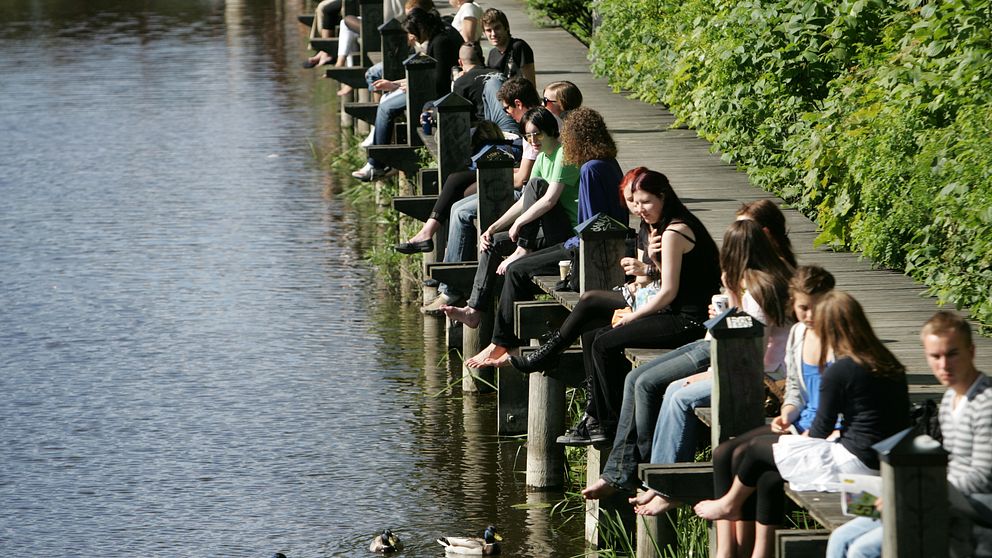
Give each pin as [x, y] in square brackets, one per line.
[873, 117]
[575, 16]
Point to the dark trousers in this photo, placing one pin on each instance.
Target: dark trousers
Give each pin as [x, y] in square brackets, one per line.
[750, 457]
[518, 285]
[452, 191]
[554, 227]
[607, 367]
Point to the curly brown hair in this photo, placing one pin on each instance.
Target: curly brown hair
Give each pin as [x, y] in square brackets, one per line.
[585, 137]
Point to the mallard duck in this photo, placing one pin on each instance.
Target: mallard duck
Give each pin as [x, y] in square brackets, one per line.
[485, 546]
[386, 542]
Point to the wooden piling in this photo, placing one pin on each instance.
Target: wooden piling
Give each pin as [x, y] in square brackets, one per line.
[545, 422]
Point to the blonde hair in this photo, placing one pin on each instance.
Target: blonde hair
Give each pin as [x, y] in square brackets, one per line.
[566, 93]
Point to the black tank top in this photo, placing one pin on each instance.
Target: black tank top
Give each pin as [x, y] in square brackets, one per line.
[699, 278]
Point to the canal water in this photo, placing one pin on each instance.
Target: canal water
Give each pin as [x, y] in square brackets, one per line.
[194, 358]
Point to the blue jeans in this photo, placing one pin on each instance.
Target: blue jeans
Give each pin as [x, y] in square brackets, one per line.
[493, 108]
[642, 398]
[675, 433]
[389, 108]
[461, 235]
[860, 537]
[373, 74]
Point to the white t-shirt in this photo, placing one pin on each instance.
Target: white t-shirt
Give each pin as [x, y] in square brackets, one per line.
[469, 9]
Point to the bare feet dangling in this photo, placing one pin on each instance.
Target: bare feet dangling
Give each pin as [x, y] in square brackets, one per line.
[713, 510]
[599, 489]
[466, 315]
[656, 505]
[345, 90]
[485, 356]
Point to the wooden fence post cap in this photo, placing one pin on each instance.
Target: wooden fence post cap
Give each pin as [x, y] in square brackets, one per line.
[453, 102]
[392, 26]
[419, 63]
[734, 324]
[914, 451]
[492, 157]
[601, 225]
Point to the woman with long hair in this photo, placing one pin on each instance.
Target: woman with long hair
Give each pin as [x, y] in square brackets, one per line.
[756, 280]
[685, 258]
[866, 385]
[587, 143]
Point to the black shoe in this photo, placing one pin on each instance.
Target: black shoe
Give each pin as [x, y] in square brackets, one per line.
[545, 357]
[414, 247]
[587, 433]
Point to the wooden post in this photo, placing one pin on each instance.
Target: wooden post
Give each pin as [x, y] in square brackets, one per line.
[737, 359]
[361, 126]
[495, 179]
[545, 422]
[601, 247]
[420, 90]
[371, 20]
[454, 135]
[394, 49]
[915, 517]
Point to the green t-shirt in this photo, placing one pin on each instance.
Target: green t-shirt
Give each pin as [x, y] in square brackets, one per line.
[555, 169]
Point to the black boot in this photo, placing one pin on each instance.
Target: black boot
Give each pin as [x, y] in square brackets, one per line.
[545, 357]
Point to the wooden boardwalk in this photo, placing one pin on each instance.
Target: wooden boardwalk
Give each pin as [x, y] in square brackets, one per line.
[714, 190]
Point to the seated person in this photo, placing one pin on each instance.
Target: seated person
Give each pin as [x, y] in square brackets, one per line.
[472, 79]
[518, 96]
[560, 97]
[467, 20]
[966, 425]
[510, 57]
[548, 206]
[586, 142]
[442, 45]
[866, 385]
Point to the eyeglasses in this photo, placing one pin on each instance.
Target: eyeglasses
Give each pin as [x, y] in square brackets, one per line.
[531, 135]
[507, 109]
[548, 101]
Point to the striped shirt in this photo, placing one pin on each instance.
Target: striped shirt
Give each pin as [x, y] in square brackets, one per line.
[967, 435]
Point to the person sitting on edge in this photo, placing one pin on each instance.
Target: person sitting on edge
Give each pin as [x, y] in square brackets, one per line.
[966, 426]
[548, 206]
[472, 79]
[467, 20]
[510, 57]
[443, 43]
[519, 96]
[586, 142]
[866, 384]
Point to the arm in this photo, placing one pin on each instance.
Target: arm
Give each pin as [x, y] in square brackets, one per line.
[785, 419]
[529, 72]
[831, 398]
[469, 28]
[539, 207]
[977, 477]
[794, 395]
[522, 173]
[673, 246]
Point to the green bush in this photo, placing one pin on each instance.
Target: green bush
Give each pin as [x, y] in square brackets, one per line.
[573, 15]
[871, 116]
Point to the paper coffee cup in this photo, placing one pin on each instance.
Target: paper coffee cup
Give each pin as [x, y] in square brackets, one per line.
[563, 267]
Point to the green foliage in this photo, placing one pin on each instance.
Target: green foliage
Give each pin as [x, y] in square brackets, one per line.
[574, 16]
[871, 116]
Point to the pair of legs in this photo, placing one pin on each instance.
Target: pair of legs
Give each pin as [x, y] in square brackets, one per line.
[327, 16]
[606, 366]
[453, 190]
[556, 227]
[493, 108]
[390, 107]
[643, 394]
[859, 538]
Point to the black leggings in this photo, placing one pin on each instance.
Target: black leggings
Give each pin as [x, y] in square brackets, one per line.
[452, 191]
[749, 457]
[331, 15]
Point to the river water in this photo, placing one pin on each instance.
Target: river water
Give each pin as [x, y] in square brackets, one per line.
[194, 359]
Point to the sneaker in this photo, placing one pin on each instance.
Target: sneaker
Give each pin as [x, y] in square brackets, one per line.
[368, 173]
[368, 141]
[586, 433]
[433, 308]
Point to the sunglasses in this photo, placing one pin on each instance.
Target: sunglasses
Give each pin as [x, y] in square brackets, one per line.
[548, 101]
[507, 109]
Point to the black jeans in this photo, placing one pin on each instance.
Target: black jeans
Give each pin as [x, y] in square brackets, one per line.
[518, 285]
[607, 367]
[452, 191]
[555, 226]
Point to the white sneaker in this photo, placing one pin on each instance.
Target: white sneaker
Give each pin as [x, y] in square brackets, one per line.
[368, 141]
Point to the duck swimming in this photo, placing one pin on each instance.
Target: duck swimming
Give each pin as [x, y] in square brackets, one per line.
[386, 542]
[473, 546]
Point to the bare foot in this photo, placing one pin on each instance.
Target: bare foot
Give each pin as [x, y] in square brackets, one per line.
[345, 90]
[490, 353]
[657, 506]
[642, 497]
[466, 315]
[599, 489]
[419, 237]
[716, 509]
